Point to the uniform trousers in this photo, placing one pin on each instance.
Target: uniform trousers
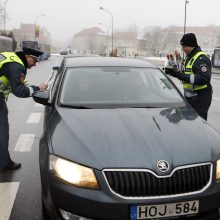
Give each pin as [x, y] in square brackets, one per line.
[5, 159]
[201, 104]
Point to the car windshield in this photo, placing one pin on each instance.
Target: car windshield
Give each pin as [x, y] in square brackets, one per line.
[118, 87]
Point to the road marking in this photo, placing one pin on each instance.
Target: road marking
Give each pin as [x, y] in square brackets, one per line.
[8, 193]
[38, 105]
[34, 118]
[24, 143]
[218, 99]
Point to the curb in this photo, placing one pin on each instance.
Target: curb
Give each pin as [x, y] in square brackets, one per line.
[216, 70]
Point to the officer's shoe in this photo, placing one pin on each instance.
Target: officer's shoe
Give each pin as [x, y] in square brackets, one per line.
[13, 166]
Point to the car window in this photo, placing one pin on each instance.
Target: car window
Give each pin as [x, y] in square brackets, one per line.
[119, 86]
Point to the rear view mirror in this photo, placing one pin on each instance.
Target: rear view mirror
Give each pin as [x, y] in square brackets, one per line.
[42, 97]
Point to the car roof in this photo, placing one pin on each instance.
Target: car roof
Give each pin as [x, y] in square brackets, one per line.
[81, 55]
[88, 61]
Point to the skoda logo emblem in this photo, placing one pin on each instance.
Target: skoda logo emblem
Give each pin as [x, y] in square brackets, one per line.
[162, 165]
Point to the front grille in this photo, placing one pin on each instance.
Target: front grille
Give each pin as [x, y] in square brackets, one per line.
[145, 184]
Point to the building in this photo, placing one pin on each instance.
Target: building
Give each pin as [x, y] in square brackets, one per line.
[91, 41]
[27, 32]
[128, 43]
[208, 37]
[96, 41]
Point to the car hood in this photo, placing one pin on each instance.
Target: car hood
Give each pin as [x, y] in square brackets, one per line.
[132, 138]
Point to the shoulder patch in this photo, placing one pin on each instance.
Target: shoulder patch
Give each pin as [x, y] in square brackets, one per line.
[204, 69]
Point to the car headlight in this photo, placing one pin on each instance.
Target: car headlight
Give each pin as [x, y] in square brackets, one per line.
[73, 173]
[218, 170]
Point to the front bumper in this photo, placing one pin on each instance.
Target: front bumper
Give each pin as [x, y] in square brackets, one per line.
[103, 204]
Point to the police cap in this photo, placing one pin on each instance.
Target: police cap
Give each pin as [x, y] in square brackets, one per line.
[32, 52]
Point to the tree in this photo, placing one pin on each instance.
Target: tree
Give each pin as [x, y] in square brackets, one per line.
[1, 13]
[155, 40]
[172, 37]
[218, 40]
[133, 28]
[14, 42]
[159, 40]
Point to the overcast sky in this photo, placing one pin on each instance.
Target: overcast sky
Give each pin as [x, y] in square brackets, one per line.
[64, 18]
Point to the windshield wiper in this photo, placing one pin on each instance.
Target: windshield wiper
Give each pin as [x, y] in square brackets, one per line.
[76, 106]
[145, 107]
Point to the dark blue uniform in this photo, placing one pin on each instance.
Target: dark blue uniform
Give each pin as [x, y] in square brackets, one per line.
[202, 71]
[16, 74]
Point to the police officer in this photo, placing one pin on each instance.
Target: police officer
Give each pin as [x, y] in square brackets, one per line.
[196, 75]
[13, 70]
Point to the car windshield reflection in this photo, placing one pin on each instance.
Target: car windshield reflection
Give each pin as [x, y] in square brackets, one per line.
[94, 87]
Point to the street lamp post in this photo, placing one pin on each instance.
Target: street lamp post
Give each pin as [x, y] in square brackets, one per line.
[35, 24]
[184, 30]
[112, 23]
[184, 27]
[107, 27]
[5, 15]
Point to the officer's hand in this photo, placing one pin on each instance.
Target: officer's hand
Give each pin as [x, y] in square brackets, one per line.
[169, 71]
[175, 73]
[43, 86]
[26, 83]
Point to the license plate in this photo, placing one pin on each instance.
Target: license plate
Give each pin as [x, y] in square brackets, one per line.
[164, 210]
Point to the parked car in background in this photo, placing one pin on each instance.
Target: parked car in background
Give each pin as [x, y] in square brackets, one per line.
[120, 142]
[45, 48]
[63, 52]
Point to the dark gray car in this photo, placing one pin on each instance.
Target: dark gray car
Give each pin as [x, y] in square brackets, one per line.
[120, 142]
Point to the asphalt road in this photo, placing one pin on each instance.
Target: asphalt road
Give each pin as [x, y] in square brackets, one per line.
[20, 191]
[214, 111]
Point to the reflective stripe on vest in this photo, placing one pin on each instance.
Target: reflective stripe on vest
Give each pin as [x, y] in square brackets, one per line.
[188, 70]
[7, 57]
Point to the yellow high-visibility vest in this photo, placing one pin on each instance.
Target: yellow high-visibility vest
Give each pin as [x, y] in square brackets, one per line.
[188, 70]
[7, 57]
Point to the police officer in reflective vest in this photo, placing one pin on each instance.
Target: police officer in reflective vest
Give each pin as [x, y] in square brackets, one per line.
[196, 75]
[13, 70]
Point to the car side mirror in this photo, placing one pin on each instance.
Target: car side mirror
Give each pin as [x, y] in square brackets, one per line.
[42, 97]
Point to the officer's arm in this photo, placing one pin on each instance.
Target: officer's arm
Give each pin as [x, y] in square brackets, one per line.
[16, 75]
[202, 71]
[180, 75]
